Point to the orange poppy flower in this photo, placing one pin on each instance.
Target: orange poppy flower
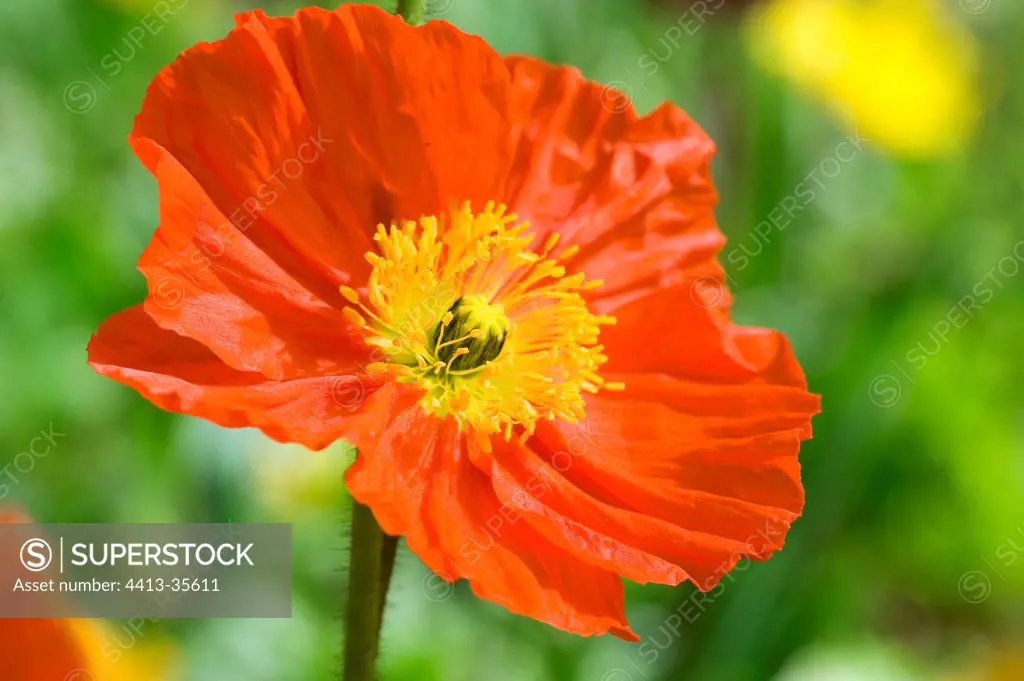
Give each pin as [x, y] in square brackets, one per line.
[76, 650]
[69, 649]
[484, 273]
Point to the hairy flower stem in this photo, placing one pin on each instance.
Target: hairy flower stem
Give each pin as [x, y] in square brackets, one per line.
[370, 567]
[411, 11]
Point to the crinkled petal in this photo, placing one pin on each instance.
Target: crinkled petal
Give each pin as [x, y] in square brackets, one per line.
[209, 281]
[634, 193]
[688, 470]
[419, 480]
[312, 129]
[181, 375]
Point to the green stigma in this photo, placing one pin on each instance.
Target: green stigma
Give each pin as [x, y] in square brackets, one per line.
[471, 333]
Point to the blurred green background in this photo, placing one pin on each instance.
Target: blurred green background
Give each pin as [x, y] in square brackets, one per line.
[871, 170]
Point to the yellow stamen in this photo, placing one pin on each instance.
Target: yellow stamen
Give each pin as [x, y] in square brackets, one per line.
[569, 253]
[550, 244]
[498, 336]
[350, 295]
[354, 317]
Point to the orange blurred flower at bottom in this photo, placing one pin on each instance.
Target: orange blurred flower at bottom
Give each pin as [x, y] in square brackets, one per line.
[1006, 665]
[492, 277]
[71, 649]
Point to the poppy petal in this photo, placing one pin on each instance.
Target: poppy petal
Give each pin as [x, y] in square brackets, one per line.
[690, 468]
[421, 482]
[298, 128]
[181, 375]
[684, 331]
[651, 483]
[634, 193]
[210, 282]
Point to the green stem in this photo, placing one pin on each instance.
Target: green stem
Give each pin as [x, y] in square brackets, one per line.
[388, 551]
[411, 10]
[373, 555]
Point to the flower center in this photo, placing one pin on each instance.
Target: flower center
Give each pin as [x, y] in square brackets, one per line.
[474, 324]
[496, 334]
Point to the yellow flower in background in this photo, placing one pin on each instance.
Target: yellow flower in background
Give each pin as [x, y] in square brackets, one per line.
[901, 71]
